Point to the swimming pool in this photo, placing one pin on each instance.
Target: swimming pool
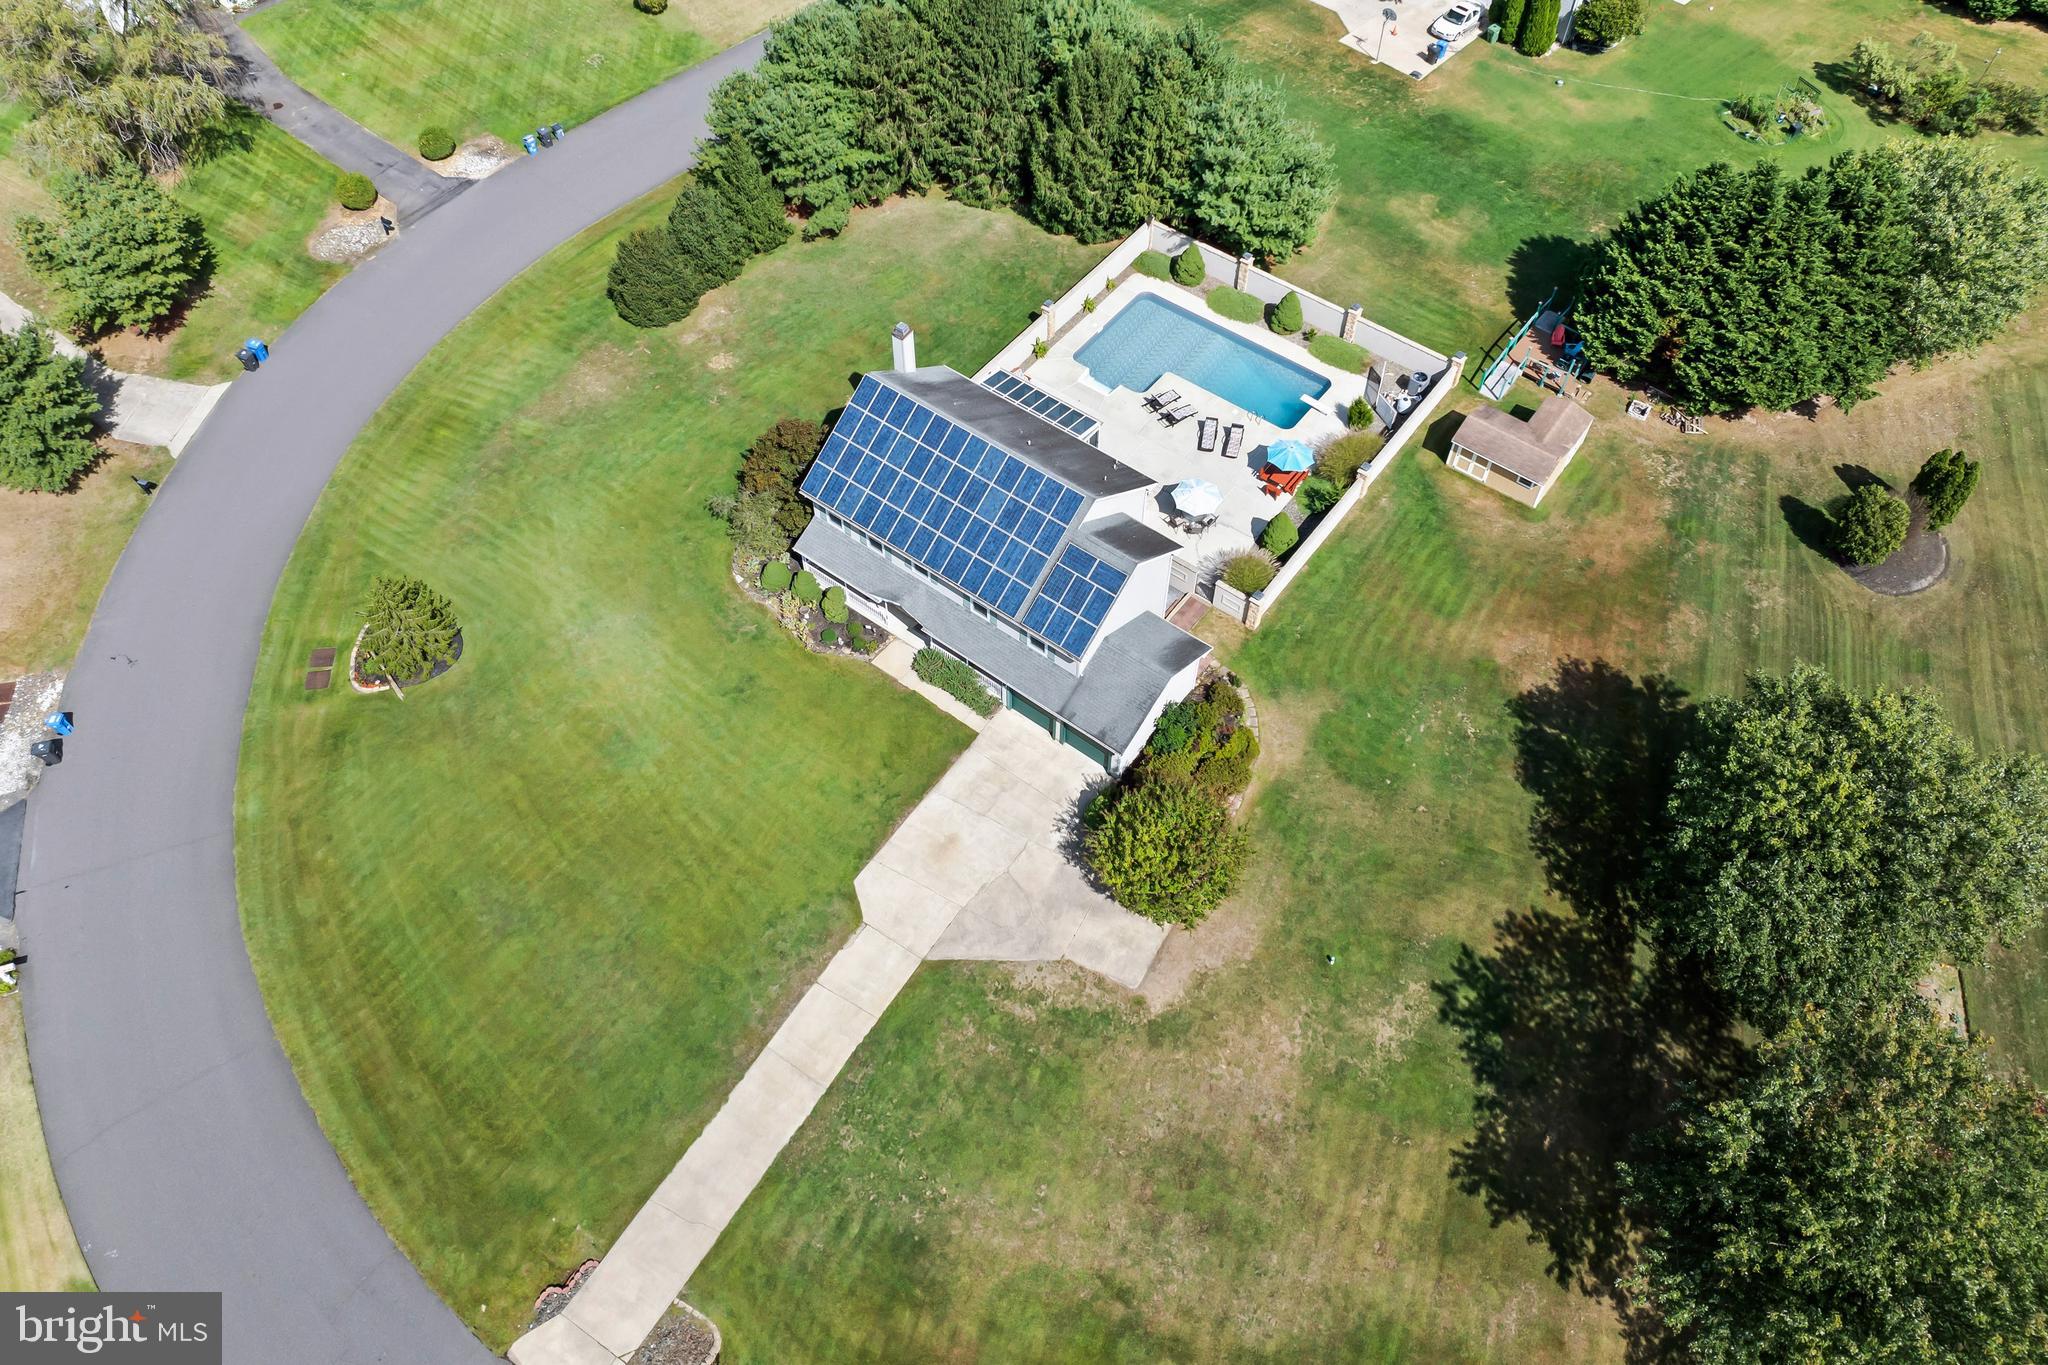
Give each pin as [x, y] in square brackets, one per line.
[1151, 336]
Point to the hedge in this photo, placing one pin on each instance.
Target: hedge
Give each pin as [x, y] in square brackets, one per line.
[1189, 268]
[1155, 264]
[955, 678]
[807, 590]
[1235, 304]
[1339, 354]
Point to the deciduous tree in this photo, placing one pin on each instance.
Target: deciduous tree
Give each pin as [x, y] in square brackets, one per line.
[1167, 851]
[1872, 1191]
[1827, 846]
[46, 414]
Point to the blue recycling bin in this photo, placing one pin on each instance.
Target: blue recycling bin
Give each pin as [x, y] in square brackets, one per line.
[531, 143]
[1437, 50]
[61, 722]
[257, 349]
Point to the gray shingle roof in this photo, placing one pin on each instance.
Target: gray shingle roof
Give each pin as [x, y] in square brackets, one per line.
[1108, 703]
[1122, 542]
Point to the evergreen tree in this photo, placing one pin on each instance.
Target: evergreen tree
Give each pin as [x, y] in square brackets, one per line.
[983, 108]
[97, 99]
[799, 108]
[1287, 314]
[1980, 226]
[1074, 176]
[1872, 1190]
[46, 414]
[709, 241]
[1945, 482]
[1176, 74]
[754, 204]
[1870, 525]
[649, 284]
[1538, 33]
[1861, 316]
[1509, 15]
[123, 255]
[1260, 182]
[1827, 846]
[408, 630]
[898, 69]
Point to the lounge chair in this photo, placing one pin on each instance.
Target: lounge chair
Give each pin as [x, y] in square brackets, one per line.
[1162, 400]
[1205, 434]
[1178, 415]
[1233, 441]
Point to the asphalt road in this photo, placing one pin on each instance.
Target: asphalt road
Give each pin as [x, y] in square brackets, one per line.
[186, 1154]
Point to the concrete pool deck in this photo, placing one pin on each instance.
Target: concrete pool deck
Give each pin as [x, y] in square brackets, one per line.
[1168, 454]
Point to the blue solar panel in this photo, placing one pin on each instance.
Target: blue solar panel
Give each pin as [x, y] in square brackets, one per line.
[977, 516]
[1073, 600]
[1039, 403]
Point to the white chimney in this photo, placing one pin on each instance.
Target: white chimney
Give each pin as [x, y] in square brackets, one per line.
[903, 346]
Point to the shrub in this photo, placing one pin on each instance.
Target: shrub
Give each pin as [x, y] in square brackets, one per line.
[1251, 571]
[956, 679]
[834, 605]
[829, 635]
[1360, 414]
[829, 220]
[806, 588]
[1175, 729]
[1319, 495]
[775, 576]
[649, 286]
[436, 143]
[1945, 482]
[1155, 264]
[774, 467]
[46, 414]
[1189, 268]
[1286, 318]
[123, 254]
[1870, 524]
[1508, 14]
[1340, 354]
[1280, 535]
[409, 629]
[651, 6]
[1235, 304]
[1538, 33]
[355, 191]
[1039, 348]
[1088, 305]
[1178, 766]
[1603, 23]
[1229, 770]
[1167, 851]
[1341, 459]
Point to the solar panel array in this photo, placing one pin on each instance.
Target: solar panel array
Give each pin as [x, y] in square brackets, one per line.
[1077, 595]
[1039, 403]
[973, 514]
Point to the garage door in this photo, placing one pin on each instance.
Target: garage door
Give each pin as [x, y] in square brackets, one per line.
[1031, 711]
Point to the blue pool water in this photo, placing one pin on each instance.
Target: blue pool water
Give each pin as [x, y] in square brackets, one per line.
[1152, 336]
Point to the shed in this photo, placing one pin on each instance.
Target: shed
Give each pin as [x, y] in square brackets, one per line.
[1520, 458]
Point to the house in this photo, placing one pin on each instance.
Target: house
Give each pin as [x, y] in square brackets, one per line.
[973, 519]
[1521, 459]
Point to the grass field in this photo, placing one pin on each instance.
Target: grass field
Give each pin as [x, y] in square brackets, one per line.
[521, 932]
[261, 195]
[38, 1253]
[396, 66]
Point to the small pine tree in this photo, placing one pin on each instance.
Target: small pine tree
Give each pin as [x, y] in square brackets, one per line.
[1538, 33]
[712, 246]
[649, 285]
[1286, 318]
[46, 414]
[1508, 14]
[751, 200]
[409, 630]
[1189, 268]
[1871, 524]
[1945, 482]
[123, 255]
[1279, 536]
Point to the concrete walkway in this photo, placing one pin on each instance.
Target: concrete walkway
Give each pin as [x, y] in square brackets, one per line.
[136, 407]
[187, 1156]
[405, 181]
[977, 870]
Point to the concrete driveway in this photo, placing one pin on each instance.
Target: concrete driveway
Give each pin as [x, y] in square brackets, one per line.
[984, 868]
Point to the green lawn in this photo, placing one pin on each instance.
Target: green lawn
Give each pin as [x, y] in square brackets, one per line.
[521, 932]
[491, 66]
[261, 196]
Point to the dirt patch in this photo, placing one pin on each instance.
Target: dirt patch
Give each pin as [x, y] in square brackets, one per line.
[346, 235]
[133, 351]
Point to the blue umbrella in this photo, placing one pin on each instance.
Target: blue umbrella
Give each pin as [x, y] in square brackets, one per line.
[1290, 455]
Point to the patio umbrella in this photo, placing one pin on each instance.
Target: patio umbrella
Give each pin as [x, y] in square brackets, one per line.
[1197, 497]
[1291, 456]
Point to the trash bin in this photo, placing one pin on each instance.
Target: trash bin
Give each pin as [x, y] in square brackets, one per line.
[59, 724]
[559, 134]
[49, 751]
[531, 143]
[546, 136]
[248, 359]
[258, 349]
[1493, 33]
[1437, 50]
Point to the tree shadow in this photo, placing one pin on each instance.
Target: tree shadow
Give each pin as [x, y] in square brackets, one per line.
[1855, 476]
[1811, 525]
[1577, 1037]
[1841, 78]
[1539, 265]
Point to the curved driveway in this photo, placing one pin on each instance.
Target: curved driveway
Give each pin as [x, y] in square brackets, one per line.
[187, 1156]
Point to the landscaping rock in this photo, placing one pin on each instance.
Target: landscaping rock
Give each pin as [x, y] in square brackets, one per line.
[34, 697]
[475, 159]
[347, 242]
[684, 1337]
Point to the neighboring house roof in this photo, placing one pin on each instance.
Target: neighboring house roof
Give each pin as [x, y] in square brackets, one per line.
[982, 493]
[1535, 449]
[1108, 703]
